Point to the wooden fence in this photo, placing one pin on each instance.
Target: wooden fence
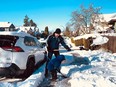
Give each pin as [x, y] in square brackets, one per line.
[110, 45]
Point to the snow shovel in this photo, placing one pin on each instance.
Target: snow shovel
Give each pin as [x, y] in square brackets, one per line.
[64, 76]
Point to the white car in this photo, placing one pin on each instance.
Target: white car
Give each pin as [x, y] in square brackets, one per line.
[42, 41]
[20, 53]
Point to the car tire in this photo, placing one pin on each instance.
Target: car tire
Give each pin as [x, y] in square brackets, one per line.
[13, 70]
[30, 68]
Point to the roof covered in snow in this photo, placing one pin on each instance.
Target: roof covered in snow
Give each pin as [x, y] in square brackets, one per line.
[15, 33]
[5, 24]
[108, 17]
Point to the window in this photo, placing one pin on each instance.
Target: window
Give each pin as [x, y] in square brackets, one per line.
[29, 41]
[7, 40]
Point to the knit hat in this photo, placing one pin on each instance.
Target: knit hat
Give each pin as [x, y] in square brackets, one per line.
[58, 31]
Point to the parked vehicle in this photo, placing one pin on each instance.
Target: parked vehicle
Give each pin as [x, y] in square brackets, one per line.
[42, 41]
[20, 53]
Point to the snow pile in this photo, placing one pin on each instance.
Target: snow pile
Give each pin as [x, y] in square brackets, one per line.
[34, 80]
[100, 40]
[108, 17]
[101, 72]
[86, 36]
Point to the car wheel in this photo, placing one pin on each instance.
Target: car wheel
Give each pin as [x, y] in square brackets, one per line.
[30, 68]
[13, 70]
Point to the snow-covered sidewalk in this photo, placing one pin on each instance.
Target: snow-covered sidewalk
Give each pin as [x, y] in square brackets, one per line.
[100, 72]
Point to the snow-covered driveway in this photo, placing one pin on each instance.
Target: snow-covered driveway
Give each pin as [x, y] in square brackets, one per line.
[100, 72]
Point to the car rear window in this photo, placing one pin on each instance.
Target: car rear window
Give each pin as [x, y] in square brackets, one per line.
[7, 40]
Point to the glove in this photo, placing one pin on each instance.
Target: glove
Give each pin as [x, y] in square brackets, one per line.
[69, 49]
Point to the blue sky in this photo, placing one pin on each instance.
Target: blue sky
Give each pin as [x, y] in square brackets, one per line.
[51, 13]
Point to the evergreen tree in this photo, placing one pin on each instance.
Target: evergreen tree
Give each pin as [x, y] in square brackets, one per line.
[31, 23]
[26, 21]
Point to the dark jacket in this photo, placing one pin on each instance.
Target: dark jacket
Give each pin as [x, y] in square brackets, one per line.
[55, 63]
[53, 43]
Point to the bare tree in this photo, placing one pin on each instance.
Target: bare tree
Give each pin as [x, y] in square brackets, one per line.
[83, 18]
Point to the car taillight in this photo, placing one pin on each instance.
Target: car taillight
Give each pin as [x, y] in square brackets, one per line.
[13, 49]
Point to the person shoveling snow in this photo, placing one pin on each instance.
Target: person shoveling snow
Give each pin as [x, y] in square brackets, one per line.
[54, 66]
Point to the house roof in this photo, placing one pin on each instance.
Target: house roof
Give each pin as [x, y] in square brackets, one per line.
[112, 21]
[15, 33]
[109, 17]
[5, 24]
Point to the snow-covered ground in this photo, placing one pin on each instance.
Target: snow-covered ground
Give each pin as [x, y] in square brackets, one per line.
[99, 72]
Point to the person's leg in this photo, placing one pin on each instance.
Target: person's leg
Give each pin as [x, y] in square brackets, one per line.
[54, 74]
[56, 53]
[48, 59]
[50, 55]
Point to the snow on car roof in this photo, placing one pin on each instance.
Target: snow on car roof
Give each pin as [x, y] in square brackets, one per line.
[15, 33]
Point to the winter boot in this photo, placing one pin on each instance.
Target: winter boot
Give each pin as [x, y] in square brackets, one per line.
[54, 75]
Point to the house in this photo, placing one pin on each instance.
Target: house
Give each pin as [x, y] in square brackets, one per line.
[112, 21]
[112, 24]
[6, 26]
[107, 24]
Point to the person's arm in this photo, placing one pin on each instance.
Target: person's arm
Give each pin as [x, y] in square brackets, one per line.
[56, 64]
[64, 44]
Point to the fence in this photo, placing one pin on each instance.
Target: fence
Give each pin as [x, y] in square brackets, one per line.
[110, 45]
